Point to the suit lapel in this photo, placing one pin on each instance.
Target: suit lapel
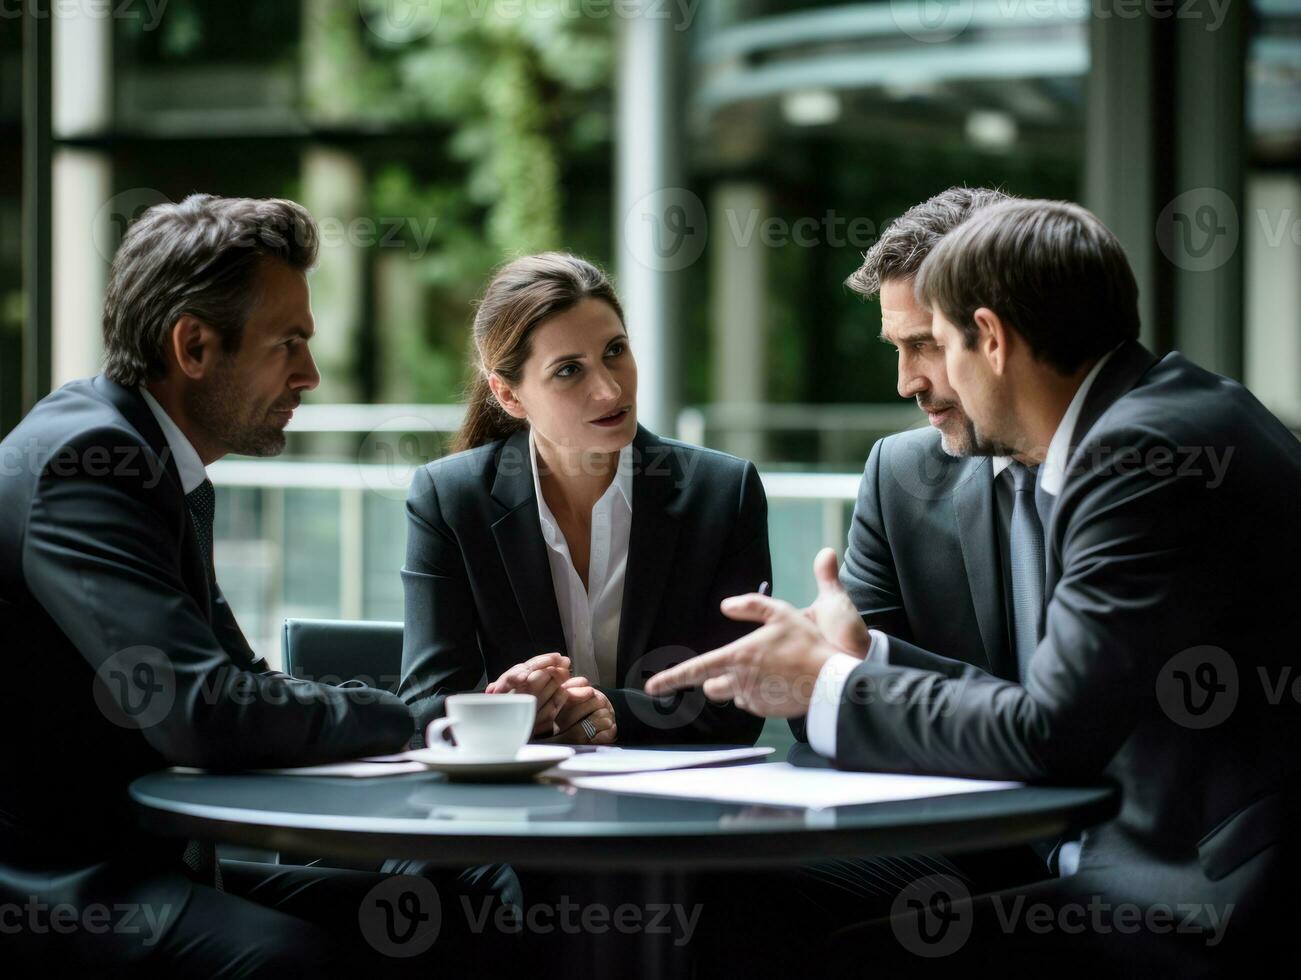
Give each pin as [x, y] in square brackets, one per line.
[131, 404]
[518, 532]
[652, 543]
[975, 509]
[1124, 370]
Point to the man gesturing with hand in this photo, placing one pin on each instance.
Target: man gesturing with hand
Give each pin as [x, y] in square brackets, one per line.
[773, 672]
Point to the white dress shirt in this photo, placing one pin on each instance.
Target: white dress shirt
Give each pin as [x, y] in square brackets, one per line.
[188, 464]
[1053, 473]
[590, 616]
[824, 707]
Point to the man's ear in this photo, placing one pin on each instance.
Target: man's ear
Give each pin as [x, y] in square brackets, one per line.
[993, 338]
[194, 346]
[505, 396]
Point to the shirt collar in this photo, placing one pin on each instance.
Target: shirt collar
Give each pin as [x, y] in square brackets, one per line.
[1000, 464]
[188, 464]
[1053, 472]
[622, 483]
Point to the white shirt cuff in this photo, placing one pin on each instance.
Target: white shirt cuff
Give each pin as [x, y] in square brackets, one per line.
[824, 708]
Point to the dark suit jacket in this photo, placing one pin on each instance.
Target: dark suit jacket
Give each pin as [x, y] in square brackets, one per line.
[101, 571]
[1154, 554]
[923, 561]
[479, 595]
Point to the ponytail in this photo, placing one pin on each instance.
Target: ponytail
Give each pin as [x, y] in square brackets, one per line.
[485, 420]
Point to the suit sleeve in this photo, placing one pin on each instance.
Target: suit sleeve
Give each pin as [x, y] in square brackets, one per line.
[868, 572]
[1132, 547]
[101, 556]
[745, 563]
[440, 645]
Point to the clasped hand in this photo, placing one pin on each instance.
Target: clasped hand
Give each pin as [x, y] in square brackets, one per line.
[564, 701]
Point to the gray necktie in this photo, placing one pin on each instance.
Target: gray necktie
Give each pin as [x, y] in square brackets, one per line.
[1027, 546]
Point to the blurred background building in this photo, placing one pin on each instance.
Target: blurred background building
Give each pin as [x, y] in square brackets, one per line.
[728, 160]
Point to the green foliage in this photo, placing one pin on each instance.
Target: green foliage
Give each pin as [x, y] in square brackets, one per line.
[519, 98]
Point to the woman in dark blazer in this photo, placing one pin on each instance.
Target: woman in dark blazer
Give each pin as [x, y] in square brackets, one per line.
[565, 550]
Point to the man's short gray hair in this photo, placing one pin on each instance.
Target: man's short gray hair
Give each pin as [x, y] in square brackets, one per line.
[907, 240]
[199, 257]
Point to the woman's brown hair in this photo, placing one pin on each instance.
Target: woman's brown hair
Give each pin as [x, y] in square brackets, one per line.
[521, 296]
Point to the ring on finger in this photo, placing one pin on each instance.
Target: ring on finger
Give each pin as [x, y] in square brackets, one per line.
[589, 729]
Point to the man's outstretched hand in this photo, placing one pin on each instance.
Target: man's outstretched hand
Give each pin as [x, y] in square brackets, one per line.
[771, 672]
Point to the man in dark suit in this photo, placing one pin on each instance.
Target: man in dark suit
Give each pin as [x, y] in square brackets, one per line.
[1165, 501]
[125, 657]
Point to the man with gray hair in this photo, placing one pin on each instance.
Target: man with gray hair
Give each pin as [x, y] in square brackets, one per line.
[131, 660]
[928, 558]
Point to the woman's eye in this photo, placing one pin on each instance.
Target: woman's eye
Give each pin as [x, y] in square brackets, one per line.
[614, 350]
[567, 371]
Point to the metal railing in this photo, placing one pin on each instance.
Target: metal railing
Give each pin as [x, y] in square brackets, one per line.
[325, 538]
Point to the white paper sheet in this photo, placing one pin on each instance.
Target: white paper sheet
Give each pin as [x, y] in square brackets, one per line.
[612, 759]
[781, 784]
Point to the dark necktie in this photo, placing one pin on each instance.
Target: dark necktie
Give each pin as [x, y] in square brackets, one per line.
[201, 856]
[202, 504]
[1027, 546]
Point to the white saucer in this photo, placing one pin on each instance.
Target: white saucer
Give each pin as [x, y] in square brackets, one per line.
[528, 761]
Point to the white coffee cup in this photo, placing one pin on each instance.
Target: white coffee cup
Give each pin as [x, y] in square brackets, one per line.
[488, 727]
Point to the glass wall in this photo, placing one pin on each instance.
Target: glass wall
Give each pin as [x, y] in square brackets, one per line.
[433, 141]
